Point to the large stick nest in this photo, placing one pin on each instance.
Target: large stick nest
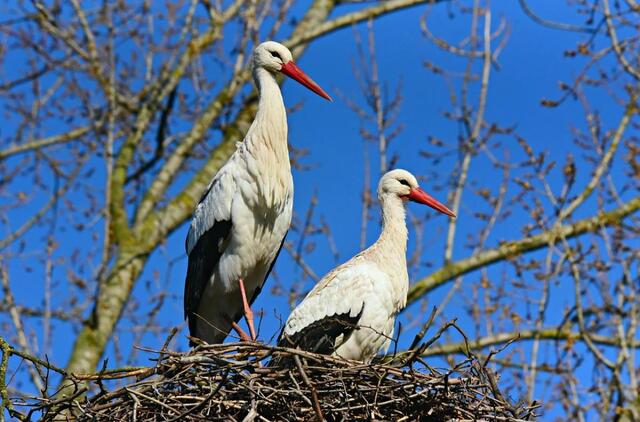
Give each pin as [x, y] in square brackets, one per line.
[235, 382]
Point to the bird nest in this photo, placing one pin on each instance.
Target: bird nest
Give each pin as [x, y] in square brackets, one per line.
[236, 382]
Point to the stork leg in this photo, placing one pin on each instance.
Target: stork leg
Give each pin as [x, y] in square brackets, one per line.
[248, 313]
[243, 336]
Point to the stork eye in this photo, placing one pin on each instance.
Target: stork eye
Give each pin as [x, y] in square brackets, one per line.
[275, 54]
[404, 182]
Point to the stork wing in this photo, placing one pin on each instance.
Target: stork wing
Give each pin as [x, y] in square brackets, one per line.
[202, 262]
[321, 336]
[205, 241]
[331, 311]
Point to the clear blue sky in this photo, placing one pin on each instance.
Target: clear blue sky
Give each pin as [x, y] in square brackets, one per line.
[531, 65]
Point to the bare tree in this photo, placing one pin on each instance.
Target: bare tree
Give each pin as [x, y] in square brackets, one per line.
[118, 114]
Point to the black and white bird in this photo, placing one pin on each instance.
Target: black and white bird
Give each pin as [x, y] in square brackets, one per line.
[240, 223]
[351, 312]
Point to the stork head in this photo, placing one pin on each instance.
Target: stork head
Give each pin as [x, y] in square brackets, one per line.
[275, 57]
[402, 184]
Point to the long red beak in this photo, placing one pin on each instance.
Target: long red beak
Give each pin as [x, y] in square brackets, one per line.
[422, 197]
[294, 72]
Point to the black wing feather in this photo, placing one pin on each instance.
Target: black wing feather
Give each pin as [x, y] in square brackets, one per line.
[320, 336]
[202, 262]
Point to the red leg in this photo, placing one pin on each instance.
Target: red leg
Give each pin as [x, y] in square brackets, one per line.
[243, 336]
[248, 313]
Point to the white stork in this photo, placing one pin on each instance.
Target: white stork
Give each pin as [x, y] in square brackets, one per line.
[351, 312]
[240, 223]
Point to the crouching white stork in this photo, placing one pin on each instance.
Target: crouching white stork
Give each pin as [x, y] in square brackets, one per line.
[351, 312]
[241, 221]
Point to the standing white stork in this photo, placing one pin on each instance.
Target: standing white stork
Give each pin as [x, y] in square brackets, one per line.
[351, 312]
[240, 223]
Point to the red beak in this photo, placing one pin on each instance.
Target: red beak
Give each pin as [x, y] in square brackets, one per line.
[422, 197]
[294, 72]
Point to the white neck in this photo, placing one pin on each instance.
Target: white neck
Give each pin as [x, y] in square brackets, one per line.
[390, 250]
[394, 228]
[269, 127]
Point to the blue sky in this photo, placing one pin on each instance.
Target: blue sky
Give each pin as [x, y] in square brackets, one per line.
[531, 66]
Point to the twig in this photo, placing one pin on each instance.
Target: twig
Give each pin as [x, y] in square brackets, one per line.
[314, 393]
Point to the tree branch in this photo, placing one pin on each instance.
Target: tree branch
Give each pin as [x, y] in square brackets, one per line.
[45, 142]
[17, 323]
[353, 18]
[604, 163]
[514, 248]
[615, 43]
[555, 25]
[502, 338]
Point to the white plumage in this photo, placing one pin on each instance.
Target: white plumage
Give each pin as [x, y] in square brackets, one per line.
[243, 217]
[351, 312]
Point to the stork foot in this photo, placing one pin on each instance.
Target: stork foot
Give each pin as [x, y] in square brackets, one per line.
[248, 313]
